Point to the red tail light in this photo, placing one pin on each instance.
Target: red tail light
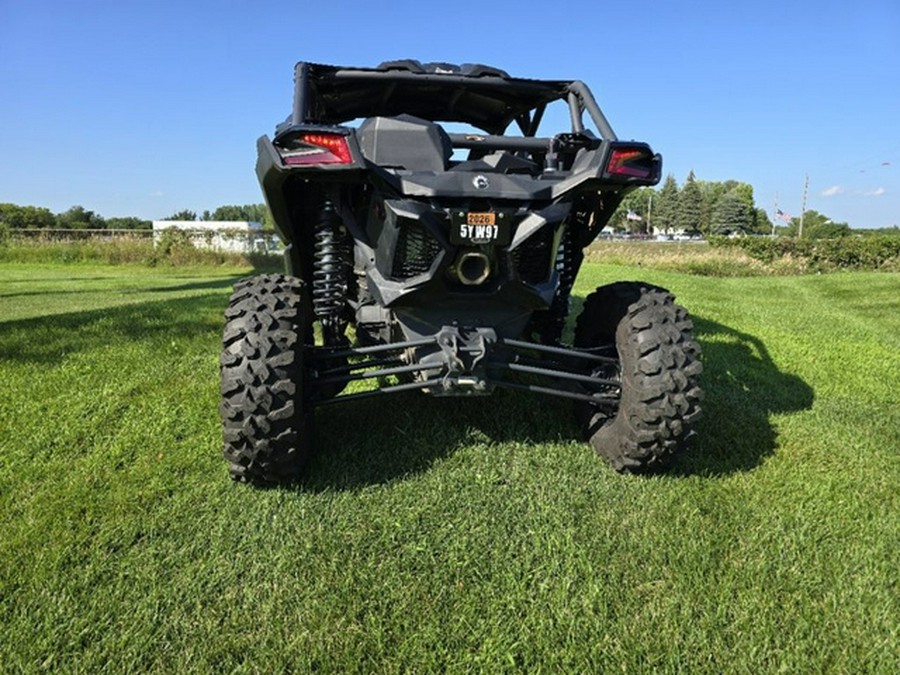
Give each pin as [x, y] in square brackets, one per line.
[631, 163]
[319, 149]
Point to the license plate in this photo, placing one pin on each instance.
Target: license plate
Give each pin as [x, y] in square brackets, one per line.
[474, 227]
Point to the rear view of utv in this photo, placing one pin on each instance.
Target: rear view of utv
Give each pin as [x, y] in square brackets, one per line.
[432, 242]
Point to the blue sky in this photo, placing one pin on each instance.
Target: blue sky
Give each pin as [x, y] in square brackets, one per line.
[147, 108]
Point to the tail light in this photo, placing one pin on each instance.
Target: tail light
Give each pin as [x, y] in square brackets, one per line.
[633, 162]
[318, 149]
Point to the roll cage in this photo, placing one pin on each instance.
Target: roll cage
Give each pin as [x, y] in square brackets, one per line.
[483, 97]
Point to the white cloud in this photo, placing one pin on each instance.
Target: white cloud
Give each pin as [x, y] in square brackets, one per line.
[877, 192]
[832, 191]
[158, 193]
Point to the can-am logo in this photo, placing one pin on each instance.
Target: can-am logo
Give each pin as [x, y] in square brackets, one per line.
[481, 182]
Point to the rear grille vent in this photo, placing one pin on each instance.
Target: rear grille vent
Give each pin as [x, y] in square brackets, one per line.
[534, 258]
[415, 252]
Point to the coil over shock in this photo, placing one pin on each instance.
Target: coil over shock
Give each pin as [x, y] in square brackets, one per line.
[568, 262]
[330, 273]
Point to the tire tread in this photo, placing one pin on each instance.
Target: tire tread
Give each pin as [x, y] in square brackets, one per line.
[265, 431]
[660, 366]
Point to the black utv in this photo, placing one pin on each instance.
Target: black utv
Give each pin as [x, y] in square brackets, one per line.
[432, 241]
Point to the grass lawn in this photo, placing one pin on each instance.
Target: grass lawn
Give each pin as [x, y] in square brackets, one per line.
[453, 535]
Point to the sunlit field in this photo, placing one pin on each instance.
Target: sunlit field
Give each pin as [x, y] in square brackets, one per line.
[446, 534]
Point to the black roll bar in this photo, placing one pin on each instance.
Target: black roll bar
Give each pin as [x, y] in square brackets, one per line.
[590, 104]
[301, 86]
[579, 98]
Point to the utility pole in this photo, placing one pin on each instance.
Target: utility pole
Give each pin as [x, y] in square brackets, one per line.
[775, 215]
[649, 212]
[803, 208]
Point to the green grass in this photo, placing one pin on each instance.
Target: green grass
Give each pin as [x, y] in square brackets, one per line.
[446, 535]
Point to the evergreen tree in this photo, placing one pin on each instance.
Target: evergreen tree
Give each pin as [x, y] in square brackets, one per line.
[711, 192]
[689, 215]
[665, 206]
[732, 215]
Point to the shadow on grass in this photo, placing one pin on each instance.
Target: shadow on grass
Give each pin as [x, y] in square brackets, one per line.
[375, 441]
[130, 290]
[743, 387]
[48, 339]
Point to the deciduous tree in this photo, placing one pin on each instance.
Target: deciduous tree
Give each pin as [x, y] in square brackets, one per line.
[16, 216]
[185, 214]
[128, 223]
[79, 218]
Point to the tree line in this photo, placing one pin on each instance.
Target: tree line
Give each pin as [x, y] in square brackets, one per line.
[257, 213]
[697, 207]
[711, 208]
[14, 216]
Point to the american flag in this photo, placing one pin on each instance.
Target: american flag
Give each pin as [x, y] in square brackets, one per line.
[781, 215]
[632, 216]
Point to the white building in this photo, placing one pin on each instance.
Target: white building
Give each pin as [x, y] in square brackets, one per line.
[235, 236]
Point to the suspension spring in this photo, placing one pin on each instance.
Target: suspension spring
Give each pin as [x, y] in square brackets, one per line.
[568, 262]
[330, 273]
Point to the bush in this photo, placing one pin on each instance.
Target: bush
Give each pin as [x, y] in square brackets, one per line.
[173, 241]
[820, 255]
[689, 258]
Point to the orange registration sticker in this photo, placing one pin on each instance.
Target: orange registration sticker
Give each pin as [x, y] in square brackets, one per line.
[476, 218]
